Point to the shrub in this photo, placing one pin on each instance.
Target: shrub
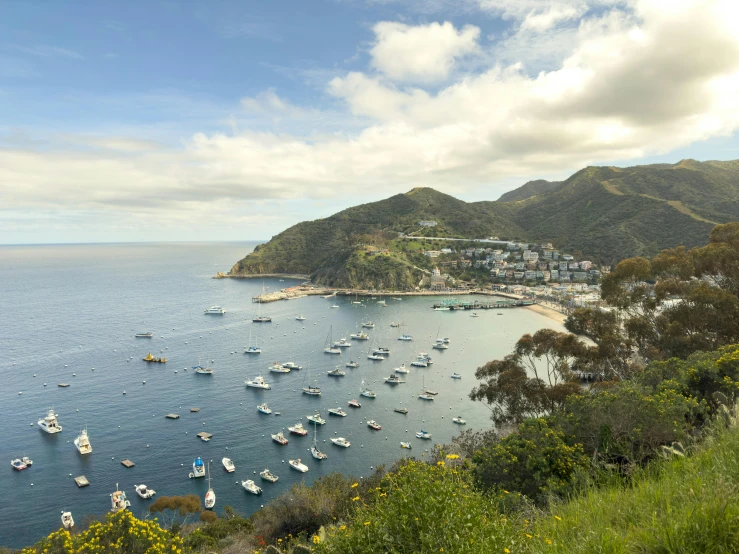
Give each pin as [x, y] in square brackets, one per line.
[119, 533]
[535, 461]
[423, 508]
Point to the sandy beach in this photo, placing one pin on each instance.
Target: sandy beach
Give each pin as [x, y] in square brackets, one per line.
[548, 312]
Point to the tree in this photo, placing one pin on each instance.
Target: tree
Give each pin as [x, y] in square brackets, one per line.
[535, 379]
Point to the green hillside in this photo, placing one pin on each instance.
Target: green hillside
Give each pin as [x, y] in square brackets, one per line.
[605, 213]
[532, 188]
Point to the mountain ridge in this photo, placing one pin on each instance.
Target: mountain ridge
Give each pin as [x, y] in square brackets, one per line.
[606, 213]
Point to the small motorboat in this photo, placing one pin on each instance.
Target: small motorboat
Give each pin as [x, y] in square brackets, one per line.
[368, 393]
[336, 372]
[423, 435]
[67, 521]
[228, 465]
[352, 364]
[393, 324]
[251, 486]
[383, 351]
[144, 492]
[264, 408]
[334, 305]
[18, 464]
[359, 336]
[300, 318]
[26, 460]
[50, 424]
[401, 410]
[368, 324]
[215, 310]
[343, 343]
[354, 404]
[118, 500]
[375, 357]
[298, 429]
[144, 335]
[406, 445]
[279, 438]
[456, 376]
[474, 314]
[316, 418]
[420, 362]
[198, 468]
[440, 345]
[341, 441]
[372, 424]
[337, 412]
[458, 420]
[312, 390]
[277, 367]
[405, 338]
[292, 365]
[393, 380]
[153, 359]
[268, 476]
[298, 465]
[402, 369]
[258, 383]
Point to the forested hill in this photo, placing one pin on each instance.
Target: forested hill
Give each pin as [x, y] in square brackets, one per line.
[606, 213]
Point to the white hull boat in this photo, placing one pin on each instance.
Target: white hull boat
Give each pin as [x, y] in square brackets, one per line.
[264, 408]
[83, 443]
[298, 465]
[118, 500]
[144, 492]
[258, 383]
[459, 421]
[67, 520]
[49, 424]
[215, 310]
[251, 487]
[198, 469]
[228, 465]
[268, 476]
[341, 441]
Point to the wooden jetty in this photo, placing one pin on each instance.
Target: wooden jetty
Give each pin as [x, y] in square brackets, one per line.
[194, 410]
[81, 481]
[173, 416]
[127, 463]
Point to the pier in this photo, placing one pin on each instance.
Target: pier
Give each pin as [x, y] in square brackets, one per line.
[453, 305]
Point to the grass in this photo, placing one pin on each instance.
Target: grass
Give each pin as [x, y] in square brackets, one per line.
[687, 505]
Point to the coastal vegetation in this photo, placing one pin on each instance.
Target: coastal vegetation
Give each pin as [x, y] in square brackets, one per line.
[605, 213]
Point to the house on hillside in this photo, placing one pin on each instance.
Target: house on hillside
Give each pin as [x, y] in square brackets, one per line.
[427, 223]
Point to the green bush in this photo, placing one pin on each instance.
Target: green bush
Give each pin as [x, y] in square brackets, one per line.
[687, 505]
[535, 461]
[627, 422]
[424, 508]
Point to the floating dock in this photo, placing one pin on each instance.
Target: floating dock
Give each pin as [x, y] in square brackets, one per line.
[173, 416]
[81, 481]
[193, 410]
[127, 463]
[205, 435]
[63, 385]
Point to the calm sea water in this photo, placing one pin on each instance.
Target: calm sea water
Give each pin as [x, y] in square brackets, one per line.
[69, 313]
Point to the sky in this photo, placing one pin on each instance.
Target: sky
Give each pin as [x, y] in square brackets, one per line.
[184, 121]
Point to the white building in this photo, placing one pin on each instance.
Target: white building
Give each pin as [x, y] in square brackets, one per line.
[427, 223]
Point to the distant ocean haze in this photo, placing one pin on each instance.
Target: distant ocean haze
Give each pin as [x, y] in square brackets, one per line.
[71, 308]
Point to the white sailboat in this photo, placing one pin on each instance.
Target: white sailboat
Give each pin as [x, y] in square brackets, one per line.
[82, 442]
[367, 392]
[424, 393]
[317, 454]
[311, 390]
[404, 336]
[329, 347]
[253, 348]
[259, 318]
[210, 496]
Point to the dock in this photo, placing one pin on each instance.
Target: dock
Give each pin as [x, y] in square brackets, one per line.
[173, 416]
[127, 463]
[81, 481]
[204, 435]
[193, 410]
[63, 385]
[477, 305]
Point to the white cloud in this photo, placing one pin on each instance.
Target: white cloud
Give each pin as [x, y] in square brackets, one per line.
[634, 82]
[543, 20]
[421, 53]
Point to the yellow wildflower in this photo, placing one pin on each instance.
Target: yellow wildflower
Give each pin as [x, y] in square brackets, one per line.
[355, 485]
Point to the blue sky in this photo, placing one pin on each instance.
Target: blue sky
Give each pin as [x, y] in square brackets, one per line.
[233, 120]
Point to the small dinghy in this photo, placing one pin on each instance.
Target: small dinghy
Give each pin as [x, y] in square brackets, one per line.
[144, 492]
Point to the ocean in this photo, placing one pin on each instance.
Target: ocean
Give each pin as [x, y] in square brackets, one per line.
[69, 314]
